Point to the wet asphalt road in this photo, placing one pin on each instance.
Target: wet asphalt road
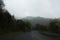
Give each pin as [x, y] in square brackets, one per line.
[34, 35]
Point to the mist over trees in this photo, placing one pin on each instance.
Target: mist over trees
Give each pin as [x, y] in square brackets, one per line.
[8, 23]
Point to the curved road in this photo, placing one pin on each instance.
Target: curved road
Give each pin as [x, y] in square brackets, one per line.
[34, 35]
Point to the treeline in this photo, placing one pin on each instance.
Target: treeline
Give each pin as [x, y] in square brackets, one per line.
[9, 23]
[53, 27]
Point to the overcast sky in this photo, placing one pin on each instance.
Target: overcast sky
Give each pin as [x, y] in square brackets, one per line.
[43, 8]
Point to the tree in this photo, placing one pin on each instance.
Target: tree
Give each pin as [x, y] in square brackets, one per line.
[54, 26]
[37, 27]
[6, 21]
[1, 5]
[27, 25]
[21, 25]
[1, 13]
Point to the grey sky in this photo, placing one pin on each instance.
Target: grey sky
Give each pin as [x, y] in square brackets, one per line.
[43, 8]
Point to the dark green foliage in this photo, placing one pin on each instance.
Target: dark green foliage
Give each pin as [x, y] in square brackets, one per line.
[41, 27]
[20, 25]
[6, 21]
[27, 25]
[23, 25]
[55, 26]
[1, 5]
[9, 23]
[37, 27]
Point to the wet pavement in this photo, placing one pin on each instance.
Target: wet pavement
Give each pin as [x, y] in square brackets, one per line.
[33, 35]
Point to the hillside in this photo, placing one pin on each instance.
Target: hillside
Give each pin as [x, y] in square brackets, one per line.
[38, 20]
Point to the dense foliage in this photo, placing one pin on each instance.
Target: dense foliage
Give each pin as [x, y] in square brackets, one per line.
[55, 26]
[9, 23]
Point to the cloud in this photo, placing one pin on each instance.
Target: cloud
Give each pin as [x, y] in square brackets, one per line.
[43, 8]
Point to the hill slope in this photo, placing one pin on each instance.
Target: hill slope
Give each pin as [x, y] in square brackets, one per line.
[37, 20]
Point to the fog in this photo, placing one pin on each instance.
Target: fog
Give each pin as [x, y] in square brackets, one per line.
[42, 8]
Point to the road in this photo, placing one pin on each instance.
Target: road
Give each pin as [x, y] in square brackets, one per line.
[34, 35]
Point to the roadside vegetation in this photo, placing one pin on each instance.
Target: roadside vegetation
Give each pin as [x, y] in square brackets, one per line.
[53, 29]
[8, 23]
